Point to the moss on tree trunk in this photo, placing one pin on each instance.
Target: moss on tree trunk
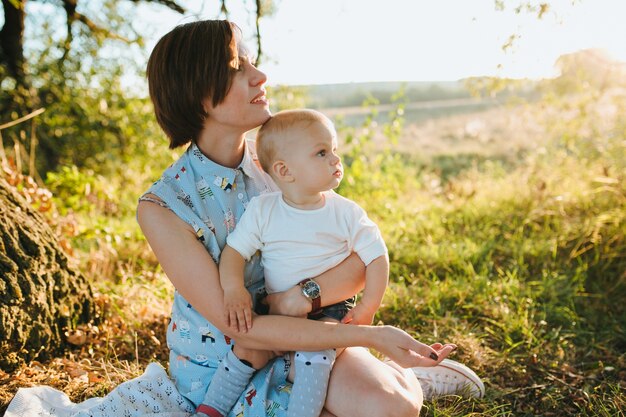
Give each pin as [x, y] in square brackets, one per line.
[41, 295]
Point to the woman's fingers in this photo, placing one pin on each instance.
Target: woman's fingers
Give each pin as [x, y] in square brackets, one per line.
[435, 355]
[425, 351]
[289, 303]
[348, 317]
[408, 352]
[445, 350]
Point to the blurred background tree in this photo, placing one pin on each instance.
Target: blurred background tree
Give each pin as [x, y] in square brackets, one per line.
[70, 58]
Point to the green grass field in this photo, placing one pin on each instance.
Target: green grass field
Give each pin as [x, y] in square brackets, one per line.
[515, 251]
[506, 231]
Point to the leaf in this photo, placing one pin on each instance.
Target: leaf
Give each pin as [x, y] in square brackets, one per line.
[77, 337]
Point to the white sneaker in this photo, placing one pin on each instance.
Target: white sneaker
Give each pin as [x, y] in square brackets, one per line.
[448, 378]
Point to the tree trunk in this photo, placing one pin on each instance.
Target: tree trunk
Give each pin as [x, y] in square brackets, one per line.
[12, 39]
[41, 295]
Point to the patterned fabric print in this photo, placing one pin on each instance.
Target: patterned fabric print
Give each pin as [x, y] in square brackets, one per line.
[211, 198]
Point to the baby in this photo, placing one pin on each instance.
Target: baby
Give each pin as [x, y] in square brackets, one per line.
[301, 232]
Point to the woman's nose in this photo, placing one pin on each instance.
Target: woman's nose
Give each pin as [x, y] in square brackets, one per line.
[258, 77]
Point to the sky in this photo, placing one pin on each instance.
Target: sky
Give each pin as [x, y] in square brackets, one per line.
[337, 41]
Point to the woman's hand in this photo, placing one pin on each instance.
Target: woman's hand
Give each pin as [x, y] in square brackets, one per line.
[407, 352]
[360, 314]
[336, 284]
[289, 303]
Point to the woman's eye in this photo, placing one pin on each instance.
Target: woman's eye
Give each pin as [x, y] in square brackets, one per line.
[240, 65]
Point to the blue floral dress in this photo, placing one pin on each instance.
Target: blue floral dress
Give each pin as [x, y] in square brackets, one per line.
[211, 198]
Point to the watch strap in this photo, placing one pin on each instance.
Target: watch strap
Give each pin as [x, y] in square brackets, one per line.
[317, 305]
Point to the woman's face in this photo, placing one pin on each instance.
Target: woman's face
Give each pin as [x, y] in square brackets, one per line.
[245, 105]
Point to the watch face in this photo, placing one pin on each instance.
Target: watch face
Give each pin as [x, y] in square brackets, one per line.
[310, 289]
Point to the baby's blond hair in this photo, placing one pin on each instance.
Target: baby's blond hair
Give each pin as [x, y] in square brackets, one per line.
[276, 132]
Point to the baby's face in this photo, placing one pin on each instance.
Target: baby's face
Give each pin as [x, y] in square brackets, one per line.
[311, 155]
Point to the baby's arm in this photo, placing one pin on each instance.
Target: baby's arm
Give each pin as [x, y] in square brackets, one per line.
[376, 279]
[237, 300]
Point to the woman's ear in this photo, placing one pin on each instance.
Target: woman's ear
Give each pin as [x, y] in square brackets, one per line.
[281, 171]
[207, 105]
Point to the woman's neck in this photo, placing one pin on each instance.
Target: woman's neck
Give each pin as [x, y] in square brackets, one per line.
[222, 148]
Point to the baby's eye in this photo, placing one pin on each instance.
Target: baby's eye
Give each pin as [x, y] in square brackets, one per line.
[321, 153]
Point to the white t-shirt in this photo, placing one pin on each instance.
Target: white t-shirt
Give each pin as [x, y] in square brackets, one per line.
[298, 244]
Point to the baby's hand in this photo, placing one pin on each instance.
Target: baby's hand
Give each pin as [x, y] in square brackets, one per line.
[238, 308]
[361, 314]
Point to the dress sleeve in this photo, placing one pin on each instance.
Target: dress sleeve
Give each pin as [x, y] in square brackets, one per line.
[154, 200]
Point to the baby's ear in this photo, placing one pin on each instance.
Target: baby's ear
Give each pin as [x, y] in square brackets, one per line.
[281, 171]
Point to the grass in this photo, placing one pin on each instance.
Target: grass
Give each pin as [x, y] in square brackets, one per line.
[518, 258]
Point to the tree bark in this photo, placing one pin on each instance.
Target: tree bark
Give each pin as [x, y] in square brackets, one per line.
[41, 294]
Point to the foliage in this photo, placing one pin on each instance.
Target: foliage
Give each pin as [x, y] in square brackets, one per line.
[287, 97]
[375, 171]
[90, 117]
[523, 266]
[348, 95]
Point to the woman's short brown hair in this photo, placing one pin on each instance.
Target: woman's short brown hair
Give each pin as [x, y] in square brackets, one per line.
[190, 63]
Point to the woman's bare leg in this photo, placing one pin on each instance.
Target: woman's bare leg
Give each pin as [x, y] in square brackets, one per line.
[362, 386]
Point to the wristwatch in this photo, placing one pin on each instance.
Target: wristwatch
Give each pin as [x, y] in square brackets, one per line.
[311, 290]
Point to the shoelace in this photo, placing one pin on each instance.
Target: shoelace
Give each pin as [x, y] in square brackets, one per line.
[441, 385]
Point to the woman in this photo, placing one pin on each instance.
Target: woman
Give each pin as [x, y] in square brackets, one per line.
[206, 92]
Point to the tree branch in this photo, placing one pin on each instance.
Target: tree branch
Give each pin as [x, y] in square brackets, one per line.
[259, 51]
[98, 30]
[170, 4]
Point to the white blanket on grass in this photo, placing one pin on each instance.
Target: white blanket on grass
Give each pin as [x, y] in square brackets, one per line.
[151, 394]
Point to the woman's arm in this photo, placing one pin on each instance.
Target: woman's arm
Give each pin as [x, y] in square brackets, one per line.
[194, 274]
[336, 285]
[184, 259]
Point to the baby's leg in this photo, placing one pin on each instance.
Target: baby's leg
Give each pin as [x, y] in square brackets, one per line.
[231, 379]
[308, 393]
